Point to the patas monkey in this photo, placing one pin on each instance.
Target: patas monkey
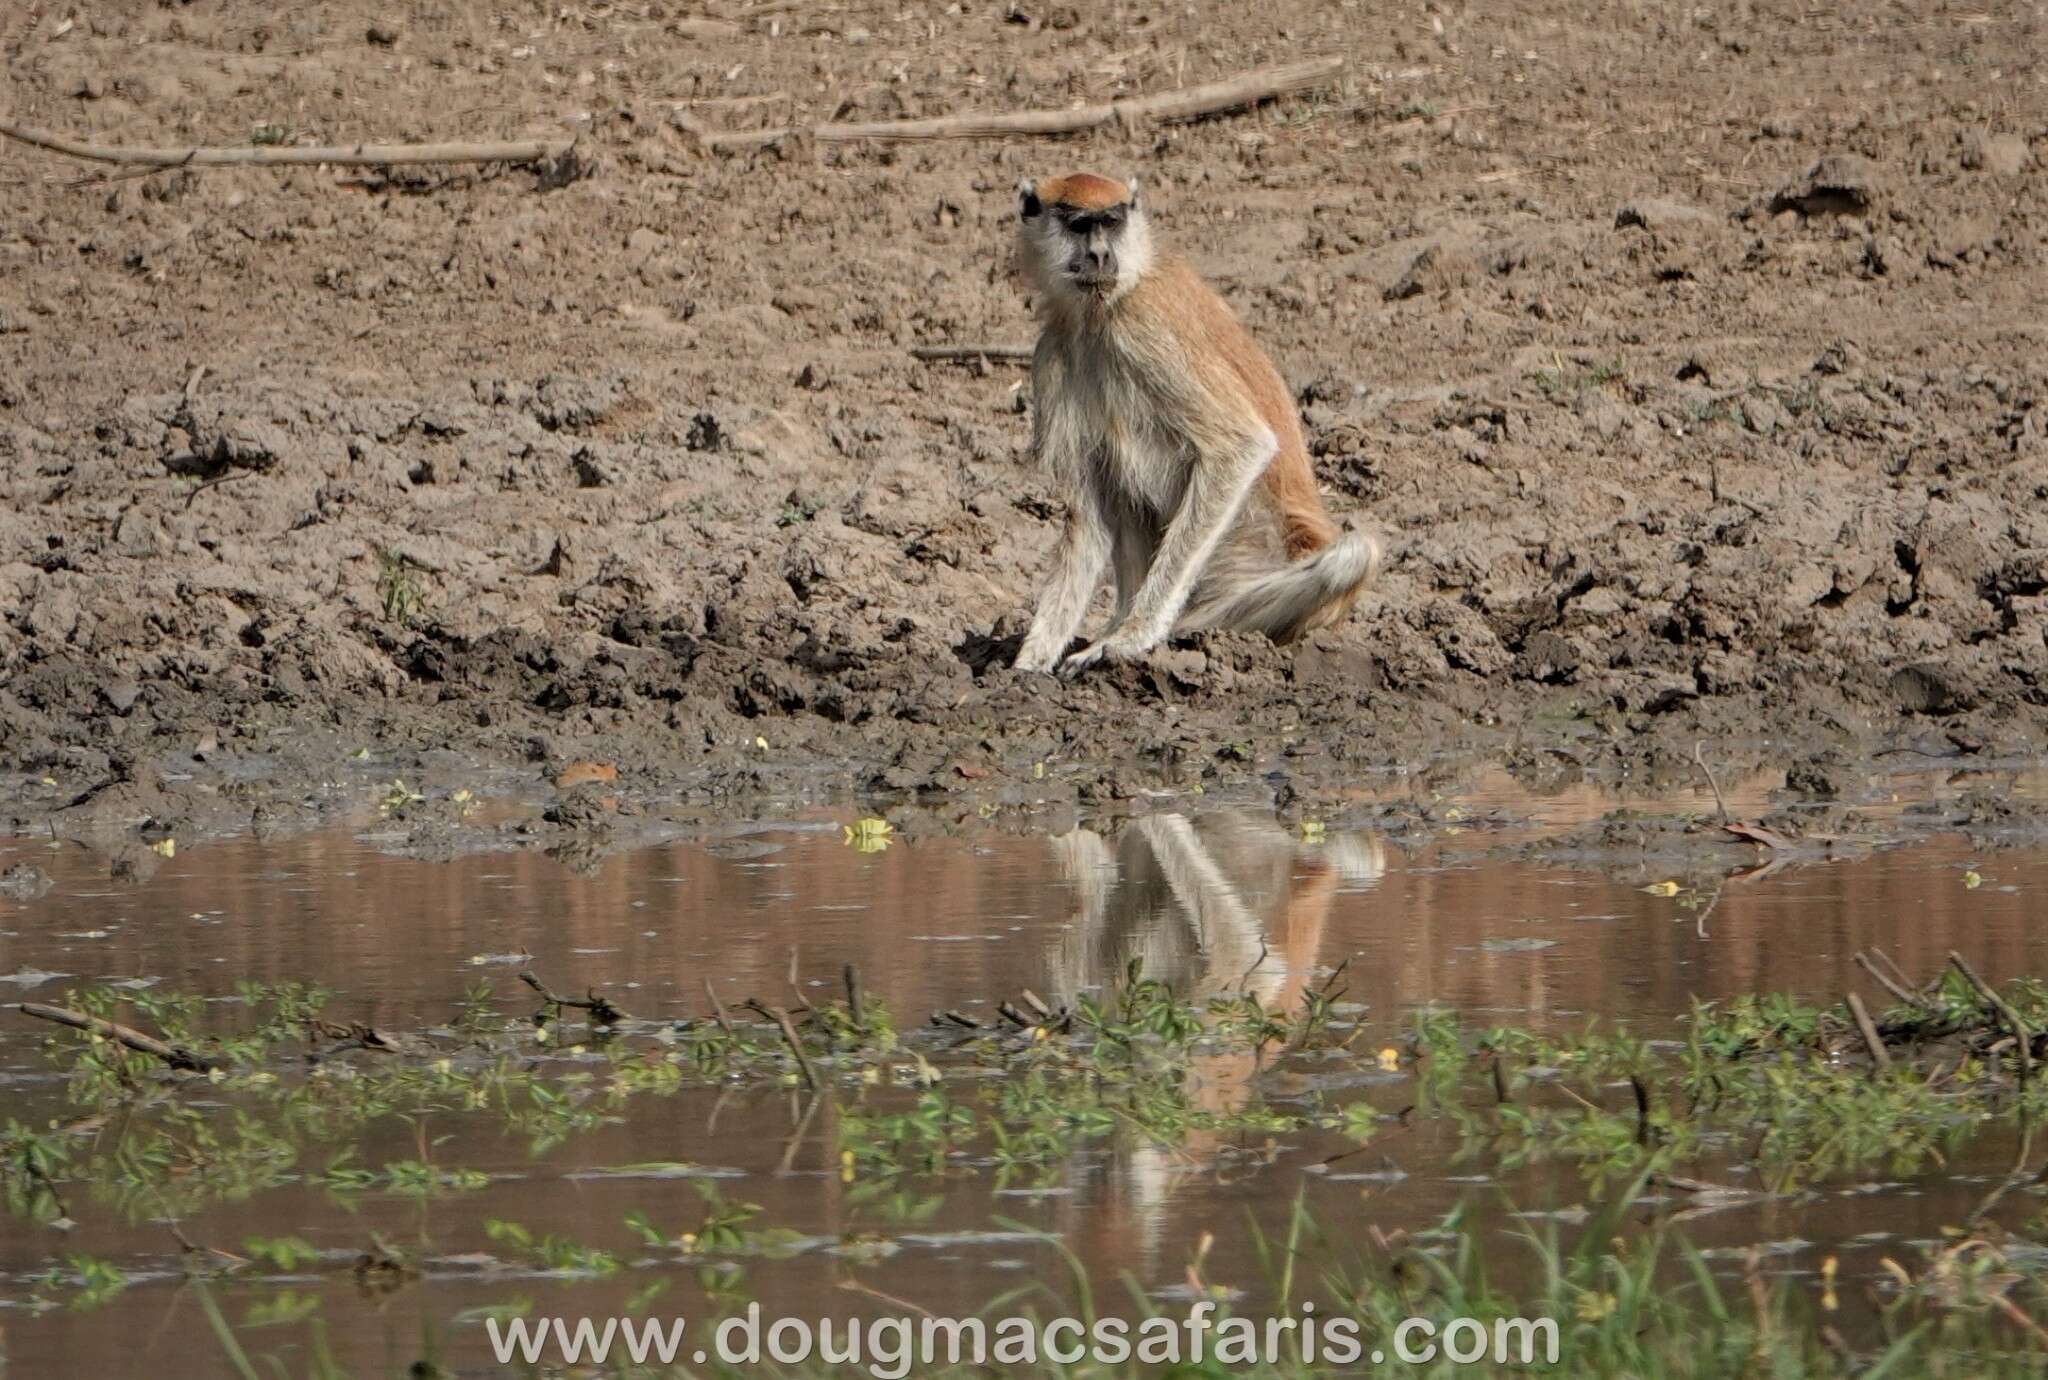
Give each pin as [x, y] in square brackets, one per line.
[1176, 442]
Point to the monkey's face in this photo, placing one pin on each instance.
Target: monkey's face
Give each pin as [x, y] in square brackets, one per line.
[1083, 237]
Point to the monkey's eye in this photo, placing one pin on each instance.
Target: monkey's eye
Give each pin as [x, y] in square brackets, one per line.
[1095, 220]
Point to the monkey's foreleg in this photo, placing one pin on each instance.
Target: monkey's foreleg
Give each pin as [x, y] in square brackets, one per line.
[1216, 491]
[1077, 568]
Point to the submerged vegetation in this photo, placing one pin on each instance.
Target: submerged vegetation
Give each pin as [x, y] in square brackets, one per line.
[229, 1100]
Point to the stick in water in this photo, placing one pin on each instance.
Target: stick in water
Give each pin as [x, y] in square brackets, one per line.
[176, 1056]
[1997, 1003]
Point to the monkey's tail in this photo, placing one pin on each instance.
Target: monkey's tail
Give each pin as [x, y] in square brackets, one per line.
[1312, 592]
[1355, 560]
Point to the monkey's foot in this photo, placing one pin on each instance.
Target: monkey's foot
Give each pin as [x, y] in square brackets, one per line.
[1108, 649]
[1040, 652]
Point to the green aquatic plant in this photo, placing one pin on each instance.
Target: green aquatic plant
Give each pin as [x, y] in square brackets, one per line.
[1784, 1087]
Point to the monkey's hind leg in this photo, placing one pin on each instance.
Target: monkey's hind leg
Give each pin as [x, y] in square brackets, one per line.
[1309, 593]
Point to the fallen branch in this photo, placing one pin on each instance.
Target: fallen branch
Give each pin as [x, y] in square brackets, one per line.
[1879, 1055]
[1193, 103]
[350, 155]
[1998, 1004]
[177, 1056]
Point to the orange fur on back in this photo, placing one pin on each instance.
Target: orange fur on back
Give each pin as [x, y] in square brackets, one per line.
[1175, 289]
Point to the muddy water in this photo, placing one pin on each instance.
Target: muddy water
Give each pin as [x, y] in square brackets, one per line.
[1207, 899]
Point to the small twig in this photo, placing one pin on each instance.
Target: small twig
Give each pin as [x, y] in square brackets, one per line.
[717, 1008]
[1004, 354]
[858, 1287]
[352, 155]
[1247, 975]
[1879, 1055]
[1685, 1185]
[2016, 1175]
[1566, 1089]
[796, 1046]
[854, 1004]
[803, 1003]
[601, 1009]
[955, 1018]
[1642, 1092]
[177, 1056]
[796, 1137]
[2012, 1310]
[1699, 922]
[1699, 758]
[1037, 1004]
[191, 1247]
[1998, 1004]
[203, 485]
[35, 1171]
[1909, 998]
[1899, 975]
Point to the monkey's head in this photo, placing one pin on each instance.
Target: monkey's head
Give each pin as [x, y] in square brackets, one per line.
[1082, 237]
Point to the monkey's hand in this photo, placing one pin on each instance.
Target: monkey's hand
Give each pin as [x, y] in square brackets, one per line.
[1108, 649]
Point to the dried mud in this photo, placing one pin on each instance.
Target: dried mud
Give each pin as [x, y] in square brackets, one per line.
[1692, 366]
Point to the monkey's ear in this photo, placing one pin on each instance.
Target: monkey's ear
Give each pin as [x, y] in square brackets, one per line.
[1027, 199]
[1132, 200]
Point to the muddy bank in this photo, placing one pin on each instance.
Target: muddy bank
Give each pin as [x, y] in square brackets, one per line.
[1692, 373]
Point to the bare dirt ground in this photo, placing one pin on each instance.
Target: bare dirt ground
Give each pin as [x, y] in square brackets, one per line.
[1691, 359]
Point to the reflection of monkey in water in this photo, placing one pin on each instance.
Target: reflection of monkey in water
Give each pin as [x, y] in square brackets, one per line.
[1195, 901]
